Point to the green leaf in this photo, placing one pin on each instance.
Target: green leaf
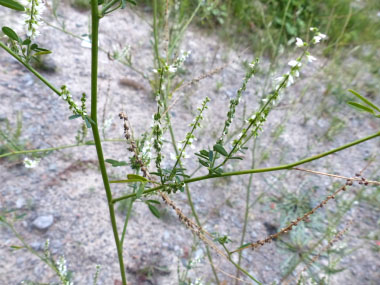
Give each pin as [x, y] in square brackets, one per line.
[236, 157]
[34, 47]
[87, 123]
[125, 181]
[364, 99]
[42, 52]
[210, 155]
[11, 33]
[361, 107]
[220, 149]
[140, 191]
[74, 117]
[244, 245]
[204, 163]
[137, 177]
[153, 201]
[26, 42]
[90, 120]
[154, 210]
[16, 247]
[12, 5]
[90, 143]
[116, 163]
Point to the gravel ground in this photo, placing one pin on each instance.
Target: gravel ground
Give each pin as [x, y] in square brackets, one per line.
[63, 197]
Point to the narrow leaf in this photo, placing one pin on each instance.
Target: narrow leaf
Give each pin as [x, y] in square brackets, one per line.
[154, 210]
[74, 117]
[16, 247]
[364, 99]
[116, 163]
[137, 177]
[245, 245]
[12, 5]
[90, 120]
[11, 33]
[361, 107]
[140, 191]
[87, 123]
[220, 149]
[236, 157]
[204, 163]
[153, 201]
[42, 52]
[125, 181]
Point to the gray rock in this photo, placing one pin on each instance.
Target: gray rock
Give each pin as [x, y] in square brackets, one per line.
[43, 222]
[36, 245]
[20, 203]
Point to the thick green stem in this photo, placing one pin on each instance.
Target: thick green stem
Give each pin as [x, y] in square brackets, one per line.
[95, 131]
[259, 170]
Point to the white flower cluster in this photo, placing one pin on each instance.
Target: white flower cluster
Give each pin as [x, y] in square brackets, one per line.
[62, 270]
[190, 138]
[33, 12]
[30, 163]
[288, 78]
[235, 101]
[172, 68]
[73, 106]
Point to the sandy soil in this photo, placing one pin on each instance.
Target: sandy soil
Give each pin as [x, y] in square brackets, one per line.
[68, 186]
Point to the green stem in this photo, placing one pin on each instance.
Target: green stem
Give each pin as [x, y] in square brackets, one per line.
[246, 213]
[259, 170]
[129, 211]
[188, 194]
[95, 131]
[54, 148]
[31, 69]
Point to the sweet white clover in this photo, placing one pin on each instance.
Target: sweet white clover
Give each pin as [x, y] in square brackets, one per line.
[32, 16]
[256, 121]
[62, 270]
[190, 137]
[234, 102]
[178, 62]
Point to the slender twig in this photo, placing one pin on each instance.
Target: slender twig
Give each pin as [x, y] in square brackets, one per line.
[339, 176]
[54, 148]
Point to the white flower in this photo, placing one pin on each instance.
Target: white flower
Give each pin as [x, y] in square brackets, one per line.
[279, 79]
[86, 42]
[290, 80]
[318, 37]
[310, 58]
[313, 29]
[299, 42]
[172, 69]
[294, 63]
[296, 73]
[33, 11]
[29, 163]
